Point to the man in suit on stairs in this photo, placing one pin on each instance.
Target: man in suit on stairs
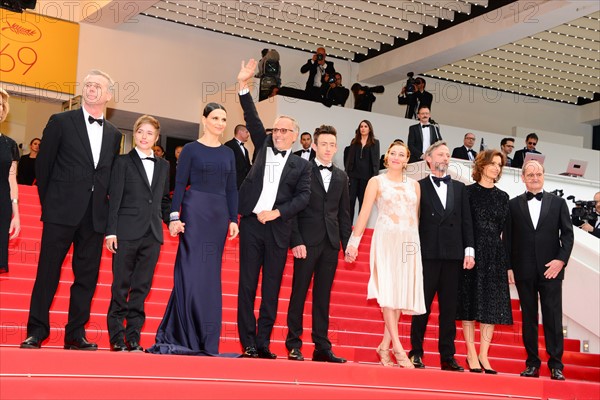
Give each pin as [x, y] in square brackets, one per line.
[316, 236]
[242, 158]
[422, 135]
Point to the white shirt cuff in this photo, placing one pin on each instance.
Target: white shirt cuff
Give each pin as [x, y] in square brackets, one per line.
[110, 236]
[244, 91]
[469, 252]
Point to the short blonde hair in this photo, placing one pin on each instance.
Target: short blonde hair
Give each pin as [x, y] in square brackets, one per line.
[387, 153]
[5, 105]
[147, 119]
[97, 72]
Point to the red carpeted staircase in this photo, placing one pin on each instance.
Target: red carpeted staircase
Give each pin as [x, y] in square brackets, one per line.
[356, 327]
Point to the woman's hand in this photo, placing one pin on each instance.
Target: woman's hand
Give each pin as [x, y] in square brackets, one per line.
[176, 227]
[233, 230]
[15, 227]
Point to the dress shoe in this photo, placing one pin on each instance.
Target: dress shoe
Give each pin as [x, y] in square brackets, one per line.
[531, 372]
[556, 374]
[417, 361]
[31, 342]
[135, 347]
[119, 345]
[250, 352]
[487, 371]
[264, 352]
[451, 365]
[296, 355]
[80, 344]
[327, 356]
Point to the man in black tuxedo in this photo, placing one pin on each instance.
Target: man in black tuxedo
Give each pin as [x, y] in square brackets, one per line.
[466, 152]
[422, 135]
[274, 191]
[447, 246]
[541, 239]
[317, 67]
[73, 171]
[242, 158]
[530, 142]
[138, 203]
[316, 235]
[307, 152]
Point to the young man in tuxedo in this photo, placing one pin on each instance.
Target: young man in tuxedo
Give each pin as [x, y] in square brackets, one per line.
[541, 240]
[422, 135]
[307, 152]
[274, 191]
[73, 171]
[447, 246]
[507, 146]
[242, 158]
[316, 235]
[138, 203]
[466, 152]
[530, 143]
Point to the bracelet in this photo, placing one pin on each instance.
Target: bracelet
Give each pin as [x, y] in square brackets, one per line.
[15, 201]
[354, 241]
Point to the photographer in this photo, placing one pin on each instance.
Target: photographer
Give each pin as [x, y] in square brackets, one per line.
[364, 97]
[587, 219]
[317, 67]
[414, 95]
[269, 73]
[332, 91]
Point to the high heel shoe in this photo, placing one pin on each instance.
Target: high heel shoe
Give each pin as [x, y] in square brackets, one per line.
[487, 371]
[475, 370]
[384, 357]
[403, 360]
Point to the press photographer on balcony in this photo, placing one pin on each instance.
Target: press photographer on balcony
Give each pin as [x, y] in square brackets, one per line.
[317, 67]
[414, 95]
[333, 93]
[364, 97]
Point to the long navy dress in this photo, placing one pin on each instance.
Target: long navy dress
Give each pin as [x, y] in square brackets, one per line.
[192, 321]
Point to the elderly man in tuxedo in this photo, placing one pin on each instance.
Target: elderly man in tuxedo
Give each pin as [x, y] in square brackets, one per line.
[447, 246]
[466, 152]
[541, 239]
[73, 171]
[422, 135]
[274, 191]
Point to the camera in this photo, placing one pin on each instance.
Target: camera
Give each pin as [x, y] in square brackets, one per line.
[331, 80]
[320, 57]
[410, 84]
[584, 211]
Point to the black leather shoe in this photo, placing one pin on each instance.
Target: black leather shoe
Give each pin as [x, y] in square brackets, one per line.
[487, 371]
[531, 372]
[417, 361]
[119, 345]
[327, 356]
[452, 365]
[250, 352]
[31, 342]
[80, 344]
[264, 352]
[135, 347]
[296, 355]
[556, 374]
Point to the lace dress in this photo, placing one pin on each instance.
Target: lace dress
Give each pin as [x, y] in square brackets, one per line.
[396, 269]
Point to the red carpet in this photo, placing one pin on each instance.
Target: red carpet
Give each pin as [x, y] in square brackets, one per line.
[356, 328]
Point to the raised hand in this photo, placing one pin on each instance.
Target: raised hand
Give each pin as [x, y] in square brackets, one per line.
[246, 72]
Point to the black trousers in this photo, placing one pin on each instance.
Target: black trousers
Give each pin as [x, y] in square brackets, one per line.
[550, 294]
[321, 262]
[87, 251]
[133, 269]
[356, 190]
[441, 277]
[258, 250]
[5, 218]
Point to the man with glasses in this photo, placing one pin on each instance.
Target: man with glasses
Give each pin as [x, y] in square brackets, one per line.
[530, 142]
[507, 146]
[466, 152]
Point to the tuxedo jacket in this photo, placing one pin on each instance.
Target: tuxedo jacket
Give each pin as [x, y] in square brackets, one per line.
[311, 67]
[242, 161]
[136, 205]
[65, 173]
[312, 156]
[532, 248]
[415, 140]
[519, 157]
[445, 233]
[461, 152]
[327, 216]
[294, 186]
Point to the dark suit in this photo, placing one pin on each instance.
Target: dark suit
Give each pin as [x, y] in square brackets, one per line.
[242, 160]
[267, 244]
[418, 99]
[137, 208]
[519, 157]
[312, 67]
[320, 227]
[415, 140]
[530, 250]
[312, 156]
[73, 195]
[462, 153]
[444, 233]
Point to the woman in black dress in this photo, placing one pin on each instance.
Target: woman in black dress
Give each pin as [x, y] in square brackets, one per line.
[10, 224]
[483, 292]
[26, 168]
[361, 161]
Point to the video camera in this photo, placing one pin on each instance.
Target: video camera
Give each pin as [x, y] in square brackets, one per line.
[411, 87]
[584, 210]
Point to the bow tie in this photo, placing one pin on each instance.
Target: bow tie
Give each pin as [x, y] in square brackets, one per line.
[149, 159]
[282, 152]
[538, 196]
[322, 167]
[425, 126]
[91, 120]
[446, 179]
[306, 151]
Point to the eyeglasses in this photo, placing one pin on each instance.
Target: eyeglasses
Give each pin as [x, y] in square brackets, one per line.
[532, 143]
[470, 138]
[282, 130]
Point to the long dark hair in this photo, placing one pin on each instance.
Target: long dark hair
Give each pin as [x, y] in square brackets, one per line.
[370, 138]
[210, 107]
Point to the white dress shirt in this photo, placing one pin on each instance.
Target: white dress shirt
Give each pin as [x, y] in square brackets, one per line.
[305, 154]
[426, 137]
[535, 207]
[325, 174]
[94, 132]
[244, 151]
[148, 165]
[273, 168]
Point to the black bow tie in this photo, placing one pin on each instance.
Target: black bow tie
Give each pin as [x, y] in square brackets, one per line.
[425, 126]
[538, 196]
[322, 167]
[91, 120]
[282, 152]
[446, 179]
[306, 151]
[149, 159]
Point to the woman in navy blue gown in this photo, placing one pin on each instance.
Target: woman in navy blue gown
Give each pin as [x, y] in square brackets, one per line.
[192, 321]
